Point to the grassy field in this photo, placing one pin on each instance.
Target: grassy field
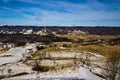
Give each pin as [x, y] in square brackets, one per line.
[103, 50]
[4, 50]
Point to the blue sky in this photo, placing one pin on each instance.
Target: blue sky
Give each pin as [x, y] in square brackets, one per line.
[60, 12]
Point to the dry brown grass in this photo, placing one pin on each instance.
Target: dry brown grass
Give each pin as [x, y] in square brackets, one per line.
[75, 38]
[71, 37]
[4, 50]
[103, 50]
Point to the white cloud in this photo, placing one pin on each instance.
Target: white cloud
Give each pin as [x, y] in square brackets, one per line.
[75, 13]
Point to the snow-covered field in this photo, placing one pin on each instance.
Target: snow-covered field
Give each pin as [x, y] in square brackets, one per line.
[10, 64]
[16, 54]
[81, 73]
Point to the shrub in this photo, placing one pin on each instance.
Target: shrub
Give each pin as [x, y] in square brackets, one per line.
[40, 47]
[39, 68]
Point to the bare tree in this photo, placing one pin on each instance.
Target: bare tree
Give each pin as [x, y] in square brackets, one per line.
[2, 70]
[36, 66]
[76, 62]
[85, 59]
[9, 72]
[112, 66]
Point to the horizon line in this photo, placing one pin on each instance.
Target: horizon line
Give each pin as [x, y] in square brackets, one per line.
[65, 25]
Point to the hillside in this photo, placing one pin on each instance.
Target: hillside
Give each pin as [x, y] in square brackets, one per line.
[98, 30]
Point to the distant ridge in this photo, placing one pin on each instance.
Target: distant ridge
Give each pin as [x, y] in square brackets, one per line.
[97, 30]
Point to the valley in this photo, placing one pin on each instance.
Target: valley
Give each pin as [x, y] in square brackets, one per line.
[68, 55]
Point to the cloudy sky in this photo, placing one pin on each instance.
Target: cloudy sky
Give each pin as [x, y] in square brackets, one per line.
[60, 12]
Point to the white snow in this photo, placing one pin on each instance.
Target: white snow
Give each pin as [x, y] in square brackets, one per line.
[81, 73]
[28, 31]
[4, 60]
[15, 68]
[18, 52]
[86, 74]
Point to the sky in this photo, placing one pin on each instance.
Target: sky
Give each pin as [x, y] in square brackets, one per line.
[60, 12]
